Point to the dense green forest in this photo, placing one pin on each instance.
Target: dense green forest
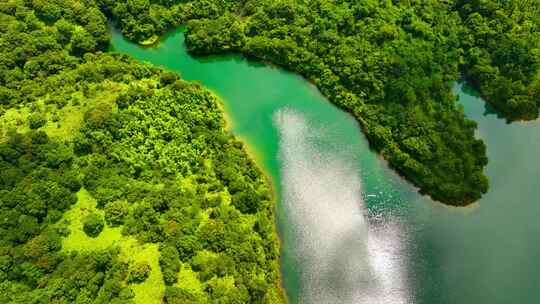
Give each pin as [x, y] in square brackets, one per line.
[118, 181]
[502, 54]
[120, 184]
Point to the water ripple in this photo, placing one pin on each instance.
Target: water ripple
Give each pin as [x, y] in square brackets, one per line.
[342, 258]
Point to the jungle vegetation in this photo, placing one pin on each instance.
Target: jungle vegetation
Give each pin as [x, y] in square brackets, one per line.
[497, 41]
[103, 158]
[502, 54]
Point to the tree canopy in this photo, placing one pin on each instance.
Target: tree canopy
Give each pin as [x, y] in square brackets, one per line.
[502, 54]
[149, 147]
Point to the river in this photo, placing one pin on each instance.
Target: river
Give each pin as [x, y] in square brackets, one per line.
[352, 230]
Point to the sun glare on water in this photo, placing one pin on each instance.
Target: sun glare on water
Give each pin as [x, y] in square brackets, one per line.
[342, 258]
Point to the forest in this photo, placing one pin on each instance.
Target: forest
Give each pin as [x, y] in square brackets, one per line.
[502, 54]
[103, 157]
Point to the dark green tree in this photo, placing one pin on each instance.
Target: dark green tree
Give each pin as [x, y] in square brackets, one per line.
[93, 224]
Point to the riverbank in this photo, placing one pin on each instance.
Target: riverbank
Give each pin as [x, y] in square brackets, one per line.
[255, 157]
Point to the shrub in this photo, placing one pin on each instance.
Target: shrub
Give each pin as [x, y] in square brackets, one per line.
[168, 78]
[175, 295]
[139, 272]
[93, 225]
[169, 263]
[116, 212]
[36, 120]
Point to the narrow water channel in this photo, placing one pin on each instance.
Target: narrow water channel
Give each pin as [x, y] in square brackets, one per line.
[353, 231]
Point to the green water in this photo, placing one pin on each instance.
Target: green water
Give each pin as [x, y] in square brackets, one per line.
[352, 231]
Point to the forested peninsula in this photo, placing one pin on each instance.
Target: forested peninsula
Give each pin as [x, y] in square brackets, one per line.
[120, 184]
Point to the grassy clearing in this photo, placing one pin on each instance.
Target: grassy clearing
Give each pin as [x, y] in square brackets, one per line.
[152, 289]
[62, 123]
[77, 239]
[188, 280]
[14, 119]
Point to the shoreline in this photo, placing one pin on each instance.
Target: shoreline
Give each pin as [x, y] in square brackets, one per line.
[254, 156]
[359, 120]
[473, 83]
[251, 154]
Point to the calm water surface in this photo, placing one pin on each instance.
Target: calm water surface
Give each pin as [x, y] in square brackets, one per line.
[353, 231]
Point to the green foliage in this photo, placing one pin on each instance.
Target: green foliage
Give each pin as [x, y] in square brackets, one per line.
[152, 149]
[388, 63]
[391, 64]
[140, 20]
[34, 192]
[175, 295]
[169, 263]
[36, 120]
[77, 279]
[98, 116]
[154, 155]
[139, 272]
[246, 201]
[502, 54]
[116, 212]
[168, 78]
[93, 224]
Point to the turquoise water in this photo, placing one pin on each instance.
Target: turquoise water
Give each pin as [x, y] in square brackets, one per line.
[352, 230]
